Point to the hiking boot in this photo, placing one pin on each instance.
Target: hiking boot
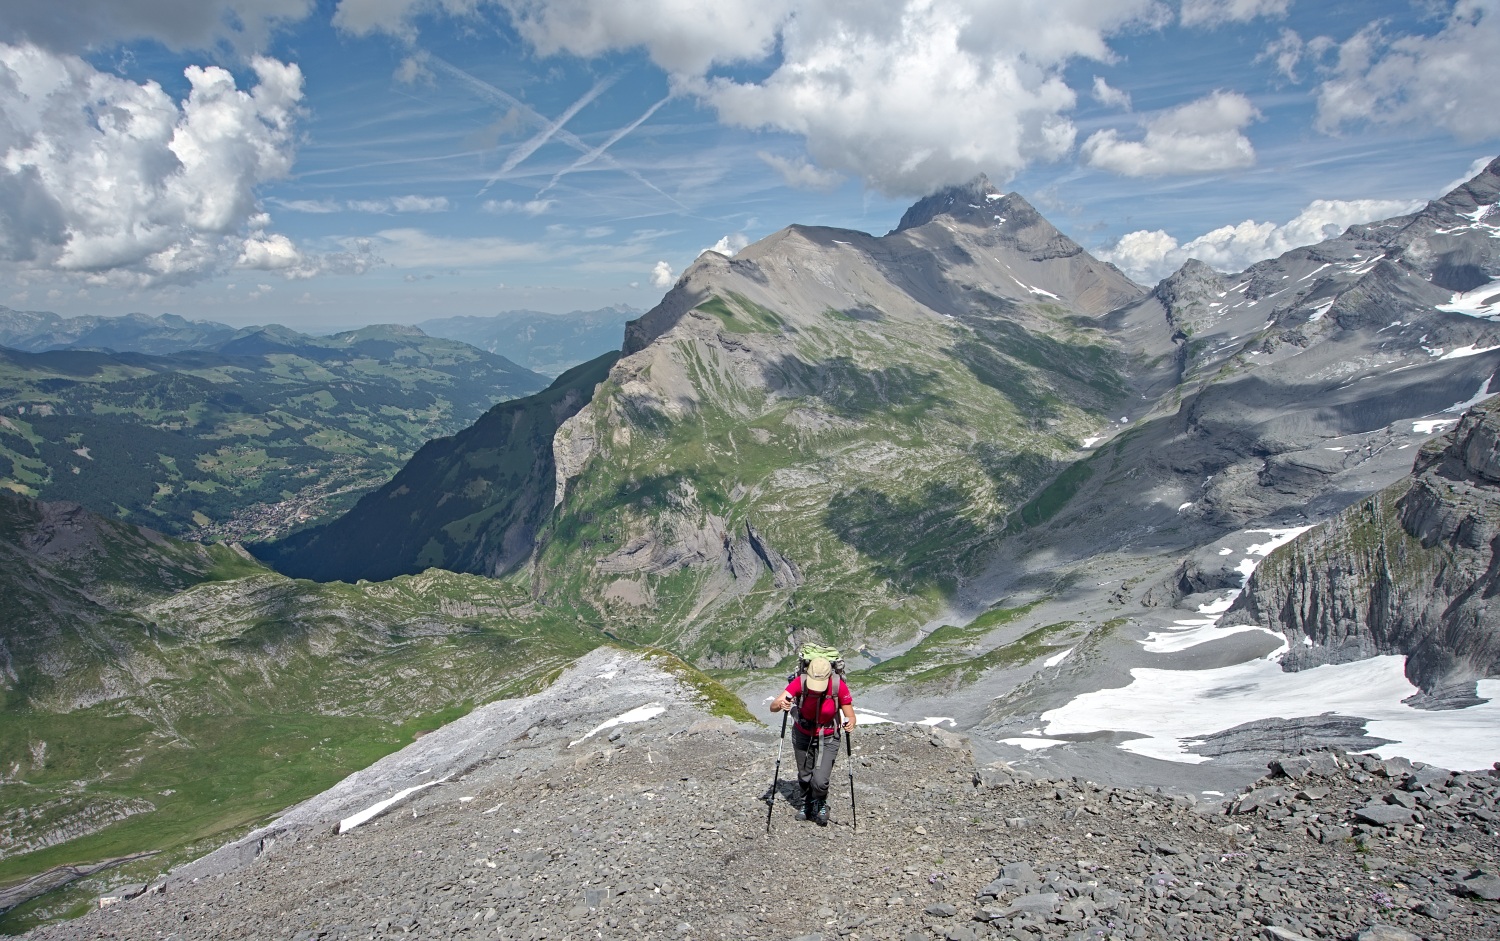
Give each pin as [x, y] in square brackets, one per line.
[804, 808]
[820, 814]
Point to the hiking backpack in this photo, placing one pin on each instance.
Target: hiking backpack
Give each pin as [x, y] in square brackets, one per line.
[805, 655]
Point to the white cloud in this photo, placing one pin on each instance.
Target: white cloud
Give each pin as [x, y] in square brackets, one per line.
[119, 183]
[1211, 13]
[682, 36]
[277, 253]
[799, 174]
[597, 231]
[317, 206]
[913, 94]
[1444, 81]
[414, 248]
[413, 70]
[532, 207]
[1151, 255]
[78, 25]
[1110, 96]
[1201, 136]
[907, 95]
[1474, 170]
[729, 245]
[419, 204]
[661, 275]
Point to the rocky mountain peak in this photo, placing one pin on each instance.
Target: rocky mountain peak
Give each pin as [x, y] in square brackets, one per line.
[976, 201]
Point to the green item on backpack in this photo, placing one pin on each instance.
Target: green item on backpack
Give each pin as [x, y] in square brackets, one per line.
[811, 651]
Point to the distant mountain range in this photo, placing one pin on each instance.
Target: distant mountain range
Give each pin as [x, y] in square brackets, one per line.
[34, 331]
[265, 430]
[546, 343]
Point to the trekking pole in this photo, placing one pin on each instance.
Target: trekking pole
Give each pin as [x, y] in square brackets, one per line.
[776, 776]
[849, 750]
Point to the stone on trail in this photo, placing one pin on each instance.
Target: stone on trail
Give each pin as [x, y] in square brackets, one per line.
[1485, 885]
[1386, 933]
[1382, 814]
[1032, 903]
[1263, 797]
[942, 910]
[1275, 933]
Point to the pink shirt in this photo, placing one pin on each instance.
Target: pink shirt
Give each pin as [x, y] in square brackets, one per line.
[830, 702]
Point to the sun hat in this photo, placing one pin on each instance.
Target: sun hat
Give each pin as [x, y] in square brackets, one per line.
[818, 672]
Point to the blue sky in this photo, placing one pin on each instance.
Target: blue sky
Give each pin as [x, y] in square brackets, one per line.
[330, 164]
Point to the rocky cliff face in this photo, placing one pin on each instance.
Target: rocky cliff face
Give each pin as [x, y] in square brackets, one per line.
[1413, 570]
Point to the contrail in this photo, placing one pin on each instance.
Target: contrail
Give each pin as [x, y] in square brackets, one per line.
[598, 152]
[563, 135]
[530, 147]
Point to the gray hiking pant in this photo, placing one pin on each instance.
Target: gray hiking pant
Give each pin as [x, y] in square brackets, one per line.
[815, 761]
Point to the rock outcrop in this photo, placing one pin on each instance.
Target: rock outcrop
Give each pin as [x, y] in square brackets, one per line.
[1412, 570]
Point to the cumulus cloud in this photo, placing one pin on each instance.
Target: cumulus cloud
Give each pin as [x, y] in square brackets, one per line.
[907, 95]
[1210, 13]
[118, 182]
[799, 174]
[1110, 96]
[679, 35]
[915, 94]
[1149, 256]
[662, 276]
[413, 70]
[1201, 136]
[1445, 80]
[729, 245]
[200, 24]
[1289, 50]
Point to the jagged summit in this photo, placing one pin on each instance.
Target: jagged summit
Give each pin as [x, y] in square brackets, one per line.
[972, 199]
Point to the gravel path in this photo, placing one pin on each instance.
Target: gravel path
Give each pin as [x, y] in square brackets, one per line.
[657, 829]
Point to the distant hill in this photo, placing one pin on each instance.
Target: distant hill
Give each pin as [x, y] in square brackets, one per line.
[38, 331]
[546, 343]
[267, 430]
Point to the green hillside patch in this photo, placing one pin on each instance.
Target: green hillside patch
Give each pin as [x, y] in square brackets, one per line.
[1051, 500]
[246, 440]
[742, 315]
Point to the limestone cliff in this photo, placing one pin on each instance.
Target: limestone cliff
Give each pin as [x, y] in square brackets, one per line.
[1411, 570]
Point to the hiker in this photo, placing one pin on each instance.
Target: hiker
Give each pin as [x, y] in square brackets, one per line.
[818, 695]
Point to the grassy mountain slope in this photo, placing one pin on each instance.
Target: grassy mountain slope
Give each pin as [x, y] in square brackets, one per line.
[471, 503]
[155, 692]
[825, 432]
[249, 439]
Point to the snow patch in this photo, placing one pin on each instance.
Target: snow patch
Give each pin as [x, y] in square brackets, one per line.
[1174, 709]
[1483, 301]
[1480, 396]
[1321, 310]
[1033, 744]
[1057, 658]
[1465, 351]
[1430, 425]
[638, 714]
[375, 810]
[935, 721]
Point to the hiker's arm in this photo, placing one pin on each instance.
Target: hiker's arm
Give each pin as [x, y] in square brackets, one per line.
[782, 702]
[848, 716]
